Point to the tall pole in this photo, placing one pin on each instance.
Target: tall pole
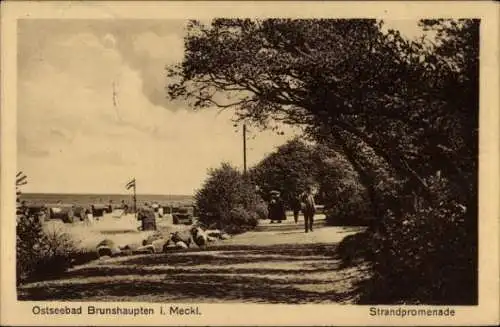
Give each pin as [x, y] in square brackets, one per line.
[244, 149]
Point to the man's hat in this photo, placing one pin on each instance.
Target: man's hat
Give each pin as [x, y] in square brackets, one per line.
[274, 192]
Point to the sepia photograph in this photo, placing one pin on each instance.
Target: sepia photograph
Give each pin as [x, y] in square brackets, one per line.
[247, 160]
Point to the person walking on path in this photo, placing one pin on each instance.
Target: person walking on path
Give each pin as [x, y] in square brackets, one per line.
[308, 209]
[276, 208]
[296, 206]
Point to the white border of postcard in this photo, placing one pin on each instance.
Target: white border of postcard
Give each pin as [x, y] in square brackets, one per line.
[16, 313]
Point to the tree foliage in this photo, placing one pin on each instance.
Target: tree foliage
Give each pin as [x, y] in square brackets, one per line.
[296, 164]
[404, 113]
[289, 170]
[341, 191]
[340, 77]
[228, 201]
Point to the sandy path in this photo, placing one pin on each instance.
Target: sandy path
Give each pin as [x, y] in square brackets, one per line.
[274, 264]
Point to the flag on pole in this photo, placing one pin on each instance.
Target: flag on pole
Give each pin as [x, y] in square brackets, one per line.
[130, 184]
[21, 179]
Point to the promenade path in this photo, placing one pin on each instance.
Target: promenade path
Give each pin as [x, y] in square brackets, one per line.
[276, 263]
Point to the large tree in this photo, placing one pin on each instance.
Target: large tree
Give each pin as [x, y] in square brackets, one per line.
[404, 113]
[343, 78]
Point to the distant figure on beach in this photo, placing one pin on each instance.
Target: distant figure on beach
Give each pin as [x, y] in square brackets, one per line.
[155, 207]
[276, 208]
[308, 208]
[110, 206]
[89, 217]
[94, 211]
[147, 217]
[124, 207]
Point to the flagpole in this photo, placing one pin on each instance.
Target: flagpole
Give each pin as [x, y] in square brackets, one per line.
[134, 195]
[135, 201]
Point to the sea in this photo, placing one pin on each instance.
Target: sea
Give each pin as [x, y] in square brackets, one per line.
[115, 199]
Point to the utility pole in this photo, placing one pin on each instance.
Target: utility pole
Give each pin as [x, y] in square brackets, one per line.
[244, 149]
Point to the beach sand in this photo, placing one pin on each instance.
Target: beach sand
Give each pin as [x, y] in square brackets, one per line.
[122, 231]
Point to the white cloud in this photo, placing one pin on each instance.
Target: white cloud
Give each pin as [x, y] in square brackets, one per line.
[160, 47]
[72, 138]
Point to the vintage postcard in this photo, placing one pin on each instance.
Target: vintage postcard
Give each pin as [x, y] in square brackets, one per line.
[249, 163]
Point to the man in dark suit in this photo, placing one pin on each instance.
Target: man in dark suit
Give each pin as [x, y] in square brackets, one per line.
[308, 208]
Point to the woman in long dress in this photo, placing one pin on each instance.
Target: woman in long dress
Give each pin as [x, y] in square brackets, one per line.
[276, 208]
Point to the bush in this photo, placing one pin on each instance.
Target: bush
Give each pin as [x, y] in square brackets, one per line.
[41, 254]
[241, 220]
[431, 252]
[228, 201]
[261, 210]
[348, 213]
[29, 232]
[425, 256]
[422, 251]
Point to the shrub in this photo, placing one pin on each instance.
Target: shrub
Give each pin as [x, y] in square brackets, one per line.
[42, 254]
[29, 233]
[241, 220]
[261, 210]
[422, 252]
[352, 212]
[424, 256]
[228, 201]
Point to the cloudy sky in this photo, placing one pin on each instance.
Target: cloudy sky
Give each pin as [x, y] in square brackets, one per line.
[71, 136]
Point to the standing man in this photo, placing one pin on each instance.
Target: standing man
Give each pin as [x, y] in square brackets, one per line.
[308, 209]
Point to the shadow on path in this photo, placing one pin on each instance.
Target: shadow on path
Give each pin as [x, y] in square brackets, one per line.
[284, 273]
[207, 288]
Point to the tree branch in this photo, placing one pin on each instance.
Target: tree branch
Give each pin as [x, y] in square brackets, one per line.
[396, 161]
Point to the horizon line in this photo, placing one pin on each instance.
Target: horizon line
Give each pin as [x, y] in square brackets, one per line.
[106, 193]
